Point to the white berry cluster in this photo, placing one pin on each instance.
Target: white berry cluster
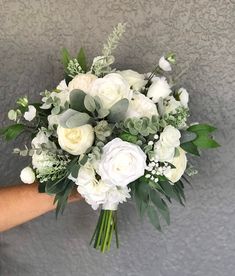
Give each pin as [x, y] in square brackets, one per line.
[156, 169]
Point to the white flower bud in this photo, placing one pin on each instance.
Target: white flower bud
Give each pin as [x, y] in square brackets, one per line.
[27, 175]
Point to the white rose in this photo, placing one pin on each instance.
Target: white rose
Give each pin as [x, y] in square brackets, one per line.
[159, 89]
[184, 97]
[82, 82]
[31, 113]
[135, 80]
[164, 64]
[170, 137]
[27, 175]
[121, 163]
[180, 163]
[141, 106]
[163, 153]
[171, 105]
[114, 196]
[76, 140]
[111, 89]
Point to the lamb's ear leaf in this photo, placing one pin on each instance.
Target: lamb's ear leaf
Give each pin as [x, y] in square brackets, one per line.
[77, 98]
[118, 111]
[81, 58]
[89, 103]
[77, 120]
[65, 116]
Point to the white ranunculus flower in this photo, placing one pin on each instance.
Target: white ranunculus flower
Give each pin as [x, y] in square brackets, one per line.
[141, 106]
[62, 86]
[114, 196]
[180, 163]
[163, 153]
[164, 64]
[135, 80]
[170, 137]
[27, 175]
[76, 140]
[31, 113]
[121, 163]
[93, 190]
[171, 105]
[183, 96]
[82, 82]
[159, 89]
[111, 89]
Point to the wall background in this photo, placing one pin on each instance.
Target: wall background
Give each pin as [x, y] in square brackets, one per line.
[201, 238]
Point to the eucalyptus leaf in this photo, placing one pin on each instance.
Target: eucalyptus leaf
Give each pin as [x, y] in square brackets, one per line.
[118, 111]
[77, 98]
[65, 116]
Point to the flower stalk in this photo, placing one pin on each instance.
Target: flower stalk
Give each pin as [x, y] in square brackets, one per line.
[106, 226]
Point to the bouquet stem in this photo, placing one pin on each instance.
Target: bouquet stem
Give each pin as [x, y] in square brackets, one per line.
[106, 226]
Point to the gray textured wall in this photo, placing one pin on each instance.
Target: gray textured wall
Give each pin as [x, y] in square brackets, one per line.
[201, 239]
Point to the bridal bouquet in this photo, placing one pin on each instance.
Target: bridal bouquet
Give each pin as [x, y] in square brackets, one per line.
[112, 135]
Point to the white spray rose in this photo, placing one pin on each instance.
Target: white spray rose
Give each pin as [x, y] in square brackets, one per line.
[180, 163]
[163, 153]
[53, 120]
[111, 89]
[184, 97]
[31, 113]
[135, 80]
[170, 137]
[141, 106]
[114, 196]
[121, 163]
[171, 105]
[159, 89]
[27, 175]
[164, 64]
[82, 82]
[39, 139]
[76, 140]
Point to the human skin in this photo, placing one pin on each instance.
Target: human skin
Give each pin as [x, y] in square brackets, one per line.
[21, 203]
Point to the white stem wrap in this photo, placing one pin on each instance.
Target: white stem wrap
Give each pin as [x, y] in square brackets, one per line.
[110, 206]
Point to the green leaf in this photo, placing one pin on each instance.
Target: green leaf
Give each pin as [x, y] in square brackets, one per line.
[129, 137]
[62, 197]
[12, 131]
[201, 127]
[161, 205]
[81, 58]
[205, 142]
[153, 217]
[89, 103]
[118, 111]
[56, 186]
[187, 136]
[190, 148]
[42, 187]
[77, 98]
[65, 57]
